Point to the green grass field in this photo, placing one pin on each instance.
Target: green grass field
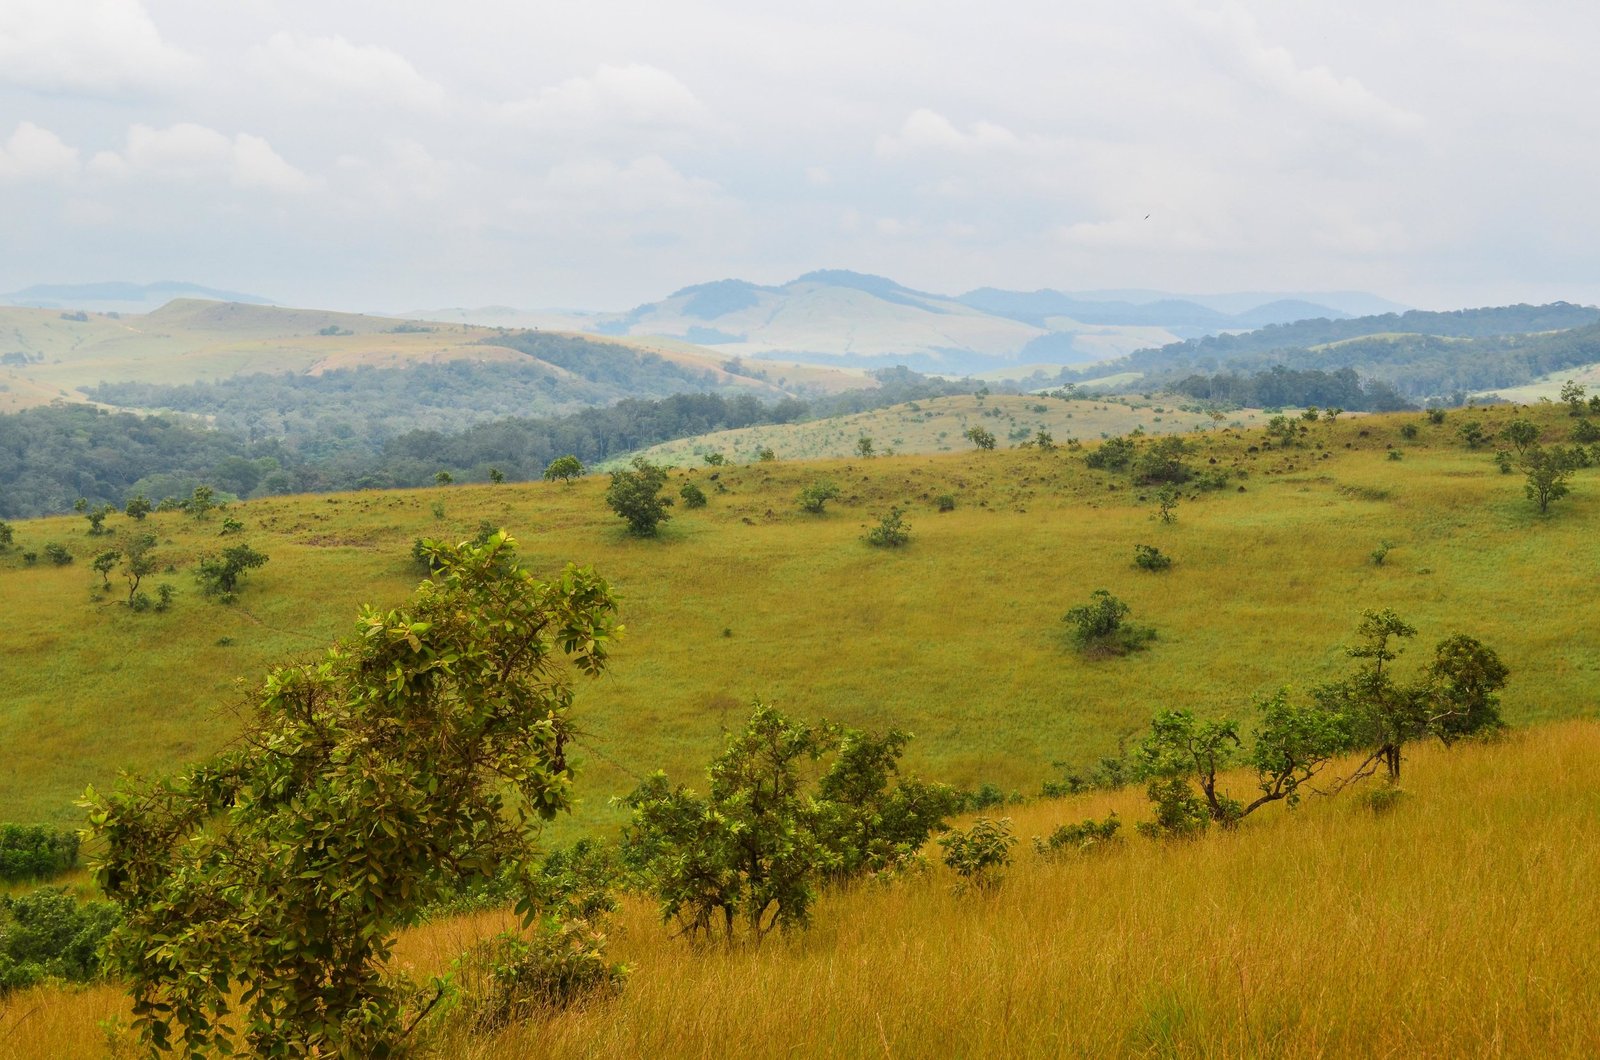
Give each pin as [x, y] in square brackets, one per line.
[957, 637]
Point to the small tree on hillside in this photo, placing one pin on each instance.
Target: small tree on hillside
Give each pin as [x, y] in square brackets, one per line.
[1521, 434]
[815, 495]
[566, 468]
[636, 496]
[104, 563]
[138, 561]
[693, 496]
[892, 532]
[979, 437]
[138, 507]
[220, 576]
[263, 890]
[201, 503]
[864, 446]
[1572, 393]
[1473, 434]
[1547, 472]
[1099, 627]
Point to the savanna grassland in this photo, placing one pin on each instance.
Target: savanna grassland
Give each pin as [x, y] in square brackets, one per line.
[1458, 921]
[936, 426]
[957, 637]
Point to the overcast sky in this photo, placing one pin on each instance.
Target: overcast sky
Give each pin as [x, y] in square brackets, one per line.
[392, 154]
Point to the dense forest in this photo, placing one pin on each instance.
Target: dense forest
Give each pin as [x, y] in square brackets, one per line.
[49, 457]
[1279, 387]
[1424, 356]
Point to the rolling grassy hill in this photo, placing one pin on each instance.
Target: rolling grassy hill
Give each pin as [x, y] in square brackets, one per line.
[957, 637]
[46, 354]
[936, 426]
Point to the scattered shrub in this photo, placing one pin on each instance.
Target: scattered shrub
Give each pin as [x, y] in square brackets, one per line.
[979, 854]
[46, 934]
[815, 496]
[57, 554]
[1148, 557]
[892, 532]
[1079, 838]
[693, 496]
[946, 502]
[1098, 627]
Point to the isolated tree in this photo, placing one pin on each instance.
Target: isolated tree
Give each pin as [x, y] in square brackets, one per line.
[814, 496]
[693, 496]
[97, 518]
[275, 877]
[1151, 558]
[1167, 498]
[864, 446]
[1461, 686]
[138, 507]
[496, 476]
[104, 563]
[1547, 472]
[138, 561]
[566, 468]
[219, 576]
[443, 478]
[765, 454]
[757, 847]
[715, 459]
[1572, 393]
[636, 496]
[1044, 440]
[1473, 434]
[1100, 627]
[201, 503]
[979, 437]
[1521, 434]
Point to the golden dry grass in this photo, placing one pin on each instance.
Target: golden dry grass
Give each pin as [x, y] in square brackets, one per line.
[1462, 922]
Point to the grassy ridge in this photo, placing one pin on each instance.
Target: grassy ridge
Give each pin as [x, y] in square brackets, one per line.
[956, 637]
[1460, 923]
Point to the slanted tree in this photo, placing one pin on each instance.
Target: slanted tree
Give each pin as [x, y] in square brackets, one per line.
[275, 877]
[979, 437]
[635, 495]
[566, 468]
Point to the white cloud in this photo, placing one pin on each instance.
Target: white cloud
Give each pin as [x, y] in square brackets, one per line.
[632, 97]
[194, 153]
[928, 130]
[87, 47]
[32, 153]
[1275, 68]
[645, 184]
[333, 70]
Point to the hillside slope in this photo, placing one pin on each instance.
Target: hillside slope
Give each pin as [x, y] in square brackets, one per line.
[957, 637]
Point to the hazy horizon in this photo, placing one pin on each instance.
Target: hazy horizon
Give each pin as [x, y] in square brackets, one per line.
[399, 156]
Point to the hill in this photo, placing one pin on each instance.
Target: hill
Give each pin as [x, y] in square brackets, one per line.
[936, 425]
[957, 637]
[119, 297]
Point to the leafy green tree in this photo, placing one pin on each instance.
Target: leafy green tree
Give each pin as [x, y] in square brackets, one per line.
[1547, 472]
[566, 468]
[979, 437]
[1044, 440]
[765, 454]
[104, 563]
[1585, 432]
[47, 934]
[202, 502]
[755, 850]
[636, 496]
[715, 459]
[1151, 558]
[1521, 434]
[1100, 627]
[1167, 498]
[1572, 393]
[275, 876]
[220, 576]
[1283, 430]
[864, 446]
[138, 507]
[891, 532]
[97, 519]
[1382, 714]
[443, 478]
[1113, 454]
[138, 561]
[58, 553]
[496, 476]
[815, 495]
[693, 496]
[979, 854]
[1162, 461]
[1461, 686]
[1473, 434]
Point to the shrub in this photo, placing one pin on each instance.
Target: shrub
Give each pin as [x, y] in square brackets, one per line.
[979, 437]
[1080, 838]
[635, 495]
[1162, 462]
[1408, 431]
[1436, 416]
[35, 852]
[46, 934]
[1395, 454]
[715, 459]
[138, 507]
[815, 496]
[946, 502]
[693, 496]
[220, 576]
[979, 854]
[892, 532]
[1113, 454]
[1098, 627]
[1586, 432]
[511, 978]
[57, 554]
[7, 535]
[1381, 553]
[1148, 557]
[230, 525]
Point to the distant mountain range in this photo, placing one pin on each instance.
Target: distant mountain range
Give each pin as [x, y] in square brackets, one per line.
[119, 297]
[835, 316]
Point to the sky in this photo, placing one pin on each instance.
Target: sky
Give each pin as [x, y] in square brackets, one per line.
[387, 154]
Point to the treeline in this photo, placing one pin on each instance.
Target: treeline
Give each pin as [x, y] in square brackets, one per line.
[1279, 387]
[50, 457]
